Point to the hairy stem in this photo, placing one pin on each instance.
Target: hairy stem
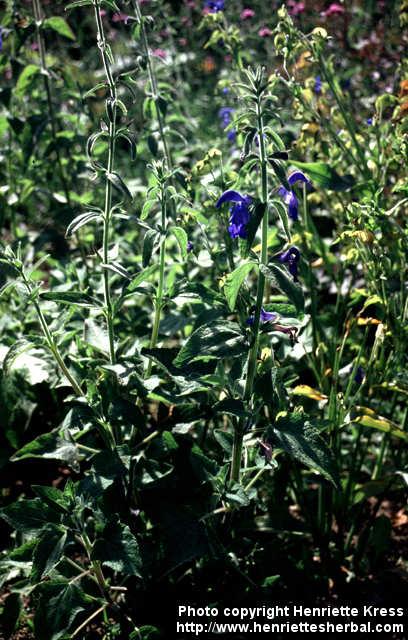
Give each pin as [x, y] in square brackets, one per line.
[153, 84]
[253, 353]
[160, 286]
[108, 185]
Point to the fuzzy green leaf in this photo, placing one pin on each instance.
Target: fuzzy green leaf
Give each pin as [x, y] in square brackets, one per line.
[283, 281]
[182, 239]
[118, 549]
[219, 339]
[234, 281]
[61, 26]
[48, 551]
[26, 79]
[29, 516]
[71, 297]
[295, 435]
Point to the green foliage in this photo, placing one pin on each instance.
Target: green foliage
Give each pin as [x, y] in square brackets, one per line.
[198, 403]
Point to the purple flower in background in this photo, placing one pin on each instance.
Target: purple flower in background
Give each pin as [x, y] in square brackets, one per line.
[213, 6]
[120, 17]
[360, 375]
[225, 114]
[345, 84]
[190, 246]
[333, 10]
[1, 39]
[265, 316]
[264, 32]
[289, 197]
[291, 257]
[247, 14]
[369, 121]
[318, 85]
[240, 215]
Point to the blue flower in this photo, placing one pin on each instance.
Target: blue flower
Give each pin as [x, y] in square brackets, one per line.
[190, 246]
[289, 197]
[360, 375]
[291, 257]
[1, 39]
[318, 85]
[225, 114]
[265, 316]
[240, 215]
[369, 121]
[213, 6]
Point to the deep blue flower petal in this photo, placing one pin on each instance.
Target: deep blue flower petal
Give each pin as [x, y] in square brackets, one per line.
[242, 231]
[293, 207]
[230, 196]
[298, 176]
[283, 192]
[267, 316]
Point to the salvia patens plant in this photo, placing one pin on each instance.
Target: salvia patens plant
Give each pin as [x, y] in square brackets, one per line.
[204, 305]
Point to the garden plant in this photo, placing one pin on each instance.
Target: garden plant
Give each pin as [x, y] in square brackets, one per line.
[203, 310]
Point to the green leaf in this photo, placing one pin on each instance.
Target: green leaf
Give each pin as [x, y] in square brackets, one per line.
[295, 435]
[141, 277]
[71, 297]
[48, 551]
[78, 3]
[182, 239]
[119, 185]
[219, 339]
[61, 26]
[232, 406]
[118, 549]
[256, 218]
[118, 269]
[60, 604]
[50, 446]
[149, 241]
[129, 137]
[225, 440]
[12, 608]
[95, 89]
[81, 220]
[29, 516]
[323, 175]
[283, 281]
[52, 496]
[234, 281]
[26, 79]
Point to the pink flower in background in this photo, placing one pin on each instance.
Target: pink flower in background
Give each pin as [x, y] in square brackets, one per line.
[102, 13]
[159, 53]
[333, 10]
[296, 7]
[247, 14]
[182, 42]
[120, 17]
[265, 32]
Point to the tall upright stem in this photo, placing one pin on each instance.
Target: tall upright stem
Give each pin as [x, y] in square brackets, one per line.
[47, 85]
[108, 185]
[160, 286]
[153, 84]
[253, 353]
[51, 342]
